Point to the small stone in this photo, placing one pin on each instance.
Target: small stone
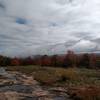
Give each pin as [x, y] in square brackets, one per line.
[59, 89]
[40, 93]
[29, 81]
[6, 82]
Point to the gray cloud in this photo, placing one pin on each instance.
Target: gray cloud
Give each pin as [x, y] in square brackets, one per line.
[26, 26]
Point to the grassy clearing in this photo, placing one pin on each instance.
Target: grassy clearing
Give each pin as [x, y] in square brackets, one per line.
[61, 76]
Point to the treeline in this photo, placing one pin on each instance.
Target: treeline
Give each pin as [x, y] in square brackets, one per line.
[69, 60]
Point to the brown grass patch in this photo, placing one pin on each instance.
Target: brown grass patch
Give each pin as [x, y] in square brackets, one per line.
[85, 93]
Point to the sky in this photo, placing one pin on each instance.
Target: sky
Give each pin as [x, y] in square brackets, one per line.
[26, 25]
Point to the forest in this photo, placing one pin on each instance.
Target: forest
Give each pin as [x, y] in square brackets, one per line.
[70, 59]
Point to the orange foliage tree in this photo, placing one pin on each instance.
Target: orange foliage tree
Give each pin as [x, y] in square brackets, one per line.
[15, 62]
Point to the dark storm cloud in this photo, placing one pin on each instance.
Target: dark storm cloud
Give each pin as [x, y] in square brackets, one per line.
[21, 21]
[2, 6]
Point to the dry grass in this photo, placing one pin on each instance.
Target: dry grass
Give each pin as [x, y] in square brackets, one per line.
[85, 93]
[61, 76]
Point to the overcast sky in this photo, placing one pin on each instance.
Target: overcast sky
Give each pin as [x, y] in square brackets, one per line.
[26, 25]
